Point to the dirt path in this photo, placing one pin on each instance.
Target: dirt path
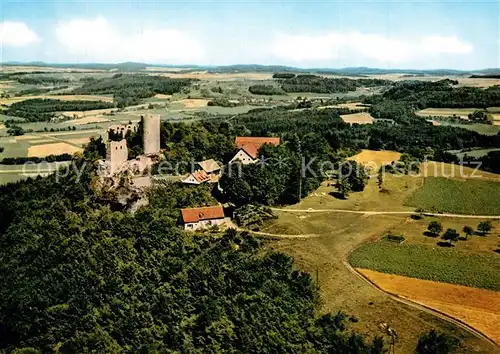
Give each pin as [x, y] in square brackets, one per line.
[368, 213]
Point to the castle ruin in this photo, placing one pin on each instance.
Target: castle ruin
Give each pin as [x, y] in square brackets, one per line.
[117, 151]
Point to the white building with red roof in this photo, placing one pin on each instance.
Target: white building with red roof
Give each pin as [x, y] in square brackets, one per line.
[248, 147]
[203, 218]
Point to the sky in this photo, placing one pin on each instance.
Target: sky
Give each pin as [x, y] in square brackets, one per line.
[328, 34]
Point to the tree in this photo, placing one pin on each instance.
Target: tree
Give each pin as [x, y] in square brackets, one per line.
[380, 178]
[434, 342]
[355, 173]
[435, 227]
[344, 187]
[451, 235]
[469, 231]
[485, 227]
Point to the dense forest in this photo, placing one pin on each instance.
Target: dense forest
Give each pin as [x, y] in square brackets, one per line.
[437, 94]
[265, 90]
[42, 109]
[129, 89]
[42, 80]
[318, 84]
[79, 276]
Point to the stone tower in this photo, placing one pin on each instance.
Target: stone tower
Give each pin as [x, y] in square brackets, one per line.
[116, 154]
[151, 134]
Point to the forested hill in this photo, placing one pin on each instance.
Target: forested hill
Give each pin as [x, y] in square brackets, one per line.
[78, 276]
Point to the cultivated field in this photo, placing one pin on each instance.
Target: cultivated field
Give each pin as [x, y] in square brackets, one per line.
[326, 252]
[52, 149]
[477, 307]
[473, 196]
[446, 112]
[11, 100]
[193, 103]
[87, 120]
[357, 118]
[479, 270]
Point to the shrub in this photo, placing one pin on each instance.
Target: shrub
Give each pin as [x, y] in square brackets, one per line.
[394, 238]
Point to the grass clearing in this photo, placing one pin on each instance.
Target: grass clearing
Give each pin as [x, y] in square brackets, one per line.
[415, 232]
[357, 118]
[475, 152]
[475, 197]
[430, 263]
[486, 129]
[479, 308]
[446, 112]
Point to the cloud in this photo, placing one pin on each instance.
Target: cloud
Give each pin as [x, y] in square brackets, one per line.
[334, 46]
[16, 34]
[97, 40]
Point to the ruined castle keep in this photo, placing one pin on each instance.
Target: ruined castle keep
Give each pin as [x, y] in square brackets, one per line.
[117, 151]
[151, 134]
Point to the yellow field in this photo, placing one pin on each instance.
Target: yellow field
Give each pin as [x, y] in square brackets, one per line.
[495, 118]
[359, 118]
[479, 308]
[87, 120]
[376, 157]
[52, 149]
[11, 100]
[193, 102]
[93, 112]
[79, 141]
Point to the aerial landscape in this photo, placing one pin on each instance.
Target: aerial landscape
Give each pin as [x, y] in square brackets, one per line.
[306, 178]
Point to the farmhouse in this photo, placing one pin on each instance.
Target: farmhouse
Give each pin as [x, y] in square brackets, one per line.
[197, 177]
[210, 166]
[202, 218]
[210, 172]
[248, 147]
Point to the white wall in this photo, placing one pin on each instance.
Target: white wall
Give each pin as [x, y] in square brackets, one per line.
[243, 157]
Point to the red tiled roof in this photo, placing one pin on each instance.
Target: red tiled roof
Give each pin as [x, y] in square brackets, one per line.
[252, 144]
[201, 176]
[205, 213]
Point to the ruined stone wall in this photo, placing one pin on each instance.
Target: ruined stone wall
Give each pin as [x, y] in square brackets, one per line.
[151, 134]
